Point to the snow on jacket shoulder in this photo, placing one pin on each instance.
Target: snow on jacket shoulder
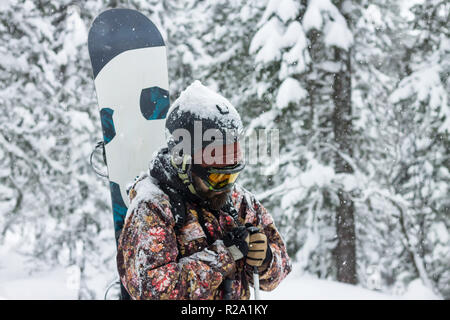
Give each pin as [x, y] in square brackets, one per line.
[156, 263]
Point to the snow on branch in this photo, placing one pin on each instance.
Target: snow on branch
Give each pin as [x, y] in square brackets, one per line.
[322, 15]
[268, 41]
[290, 91]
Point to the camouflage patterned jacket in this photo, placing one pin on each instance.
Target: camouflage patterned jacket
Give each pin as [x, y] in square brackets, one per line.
[156, 263]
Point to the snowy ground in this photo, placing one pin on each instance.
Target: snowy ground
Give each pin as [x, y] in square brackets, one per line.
[55, 284]
[296, 287]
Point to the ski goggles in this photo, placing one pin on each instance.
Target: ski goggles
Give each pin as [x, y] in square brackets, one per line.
[218, 179]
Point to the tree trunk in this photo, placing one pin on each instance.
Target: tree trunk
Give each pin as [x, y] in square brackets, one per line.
[345, 251]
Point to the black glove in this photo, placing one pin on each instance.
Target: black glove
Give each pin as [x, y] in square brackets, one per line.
[237, 242]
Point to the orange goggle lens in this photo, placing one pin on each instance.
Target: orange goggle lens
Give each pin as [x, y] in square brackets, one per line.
[220, 180]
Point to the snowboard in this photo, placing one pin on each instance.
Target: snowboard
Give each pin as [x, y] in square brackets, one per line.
[129, 66]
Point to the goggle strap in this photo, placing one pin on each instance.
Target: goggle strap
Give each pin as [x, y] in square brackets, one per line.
[183, 173]
[183, 176]
[191, 188]
[185, 160]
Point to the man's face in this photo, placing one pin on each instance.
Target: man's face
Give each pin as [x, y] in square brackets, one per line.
[215, 200]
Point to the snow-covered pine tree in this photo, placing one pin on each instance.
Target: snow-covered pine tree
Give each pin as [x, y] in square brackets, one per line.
[182, 43]
[63, 208]
[379, 31]
[345, 251]
[34, 145]
[226, 63]
[420, 119]
[302, 54]
[376, 26]
[279, 48]
[88, 222]
[389, 125]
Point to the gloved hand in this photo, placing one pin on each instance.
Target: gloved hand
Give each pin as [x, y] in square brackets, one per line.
[259, 251]
[237, 242]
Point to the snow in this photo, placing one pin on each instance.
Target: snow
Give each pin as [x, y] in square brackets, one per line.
[339, 35]
[245, 14]
[227, 55]
[45, 29]
[271, 7]
[310, 288]
[4, 4]
[17, 283]
[202, 101]
[273, 36]
[316, 174]
[330, 66]
[425, 83]
[75, 37]
[306, 287]
[373, 15]
[264, 120]
[313, 17]
[80, 120]
[294, 33]
[146, 190]
[18, 63]
[417, 291]
[405, 8]
[292, 197]
[441, 232]
[288, 10]
[22, 278]
[324, 16]
[290, 91]
[296, 59]
[268, 41]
